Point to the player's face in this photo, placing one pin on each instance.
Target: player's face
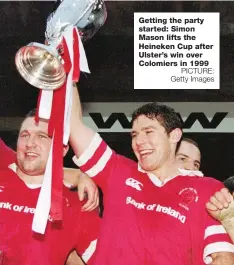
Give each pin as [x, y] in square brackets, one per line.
[150, 143]
[188, 156]
[33, 147]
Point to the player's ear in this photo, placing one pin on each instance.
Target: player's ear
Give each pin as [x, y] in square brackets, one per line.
[175, 135]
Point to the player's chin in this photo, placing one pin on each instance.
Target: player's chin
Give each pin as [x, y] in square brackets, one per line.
[31, 166]
[146, 166]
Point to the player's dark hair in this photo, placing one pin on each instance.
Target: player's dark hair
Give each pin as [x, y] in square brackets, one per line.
[31, 113]
[165, 115]
[229, 184]
[188, 140]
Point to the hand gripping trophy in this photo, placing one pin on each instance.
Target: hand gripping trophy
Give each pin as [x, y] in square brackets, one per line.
[53, 67]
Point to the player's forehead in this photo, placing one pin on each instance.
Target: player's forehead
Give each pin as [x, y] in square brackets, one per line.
[189, 150]
[143, 122]
[30, 125]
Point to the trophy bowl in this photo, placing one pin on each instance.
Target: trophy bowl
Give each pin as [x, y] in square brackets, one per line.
[40, 66]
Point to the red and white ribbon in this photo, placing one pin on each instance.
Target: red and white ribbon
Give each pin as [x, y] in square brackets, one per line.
[56, 106]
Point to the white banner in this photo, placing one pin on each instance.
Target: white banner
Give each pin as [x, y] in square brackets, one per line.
[216, 117]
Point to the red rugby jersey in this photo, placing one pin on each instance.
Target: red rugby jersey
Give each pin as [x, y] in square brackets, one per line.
[7, 155]
[146, 222]
[21, 246]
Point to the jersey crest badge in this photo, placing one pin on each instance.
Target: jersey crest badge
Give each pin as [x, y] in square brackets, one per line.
[134, 183]
[188, 195]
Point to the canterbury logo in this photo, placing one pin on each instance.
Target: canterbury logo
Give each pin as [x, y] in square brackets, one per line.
[2, 188]
[134, 183]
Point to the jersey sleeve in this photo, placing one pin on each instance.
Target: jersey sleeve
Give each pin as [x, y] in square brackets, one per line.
[216, 238]
[7, 155]
[97, 161]
[88, 232]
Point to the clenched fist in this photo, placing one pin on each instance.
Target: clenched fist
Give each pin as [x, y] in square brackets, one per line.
[221, 206]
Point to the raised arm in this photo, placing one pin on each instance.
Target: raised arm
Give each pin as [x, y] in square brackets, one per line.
[81, 135]
[92, 154]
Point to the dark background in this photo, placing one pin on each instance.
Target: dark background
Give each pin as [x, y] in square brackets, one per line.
[110, 56]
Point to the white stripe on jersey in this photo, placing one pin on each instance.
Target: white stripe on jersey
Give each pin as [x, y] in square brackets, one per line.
[214, 230]
[89, 152]
[216, 247]
[92, 172]
[89, 251]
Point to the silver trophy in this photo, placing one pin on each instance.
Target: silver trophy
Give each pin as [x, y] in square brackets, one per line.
[41, 65]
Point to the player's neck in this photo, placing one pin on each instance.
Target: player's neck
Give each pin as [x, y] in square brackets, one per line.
[28, 179]
[167, 170]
